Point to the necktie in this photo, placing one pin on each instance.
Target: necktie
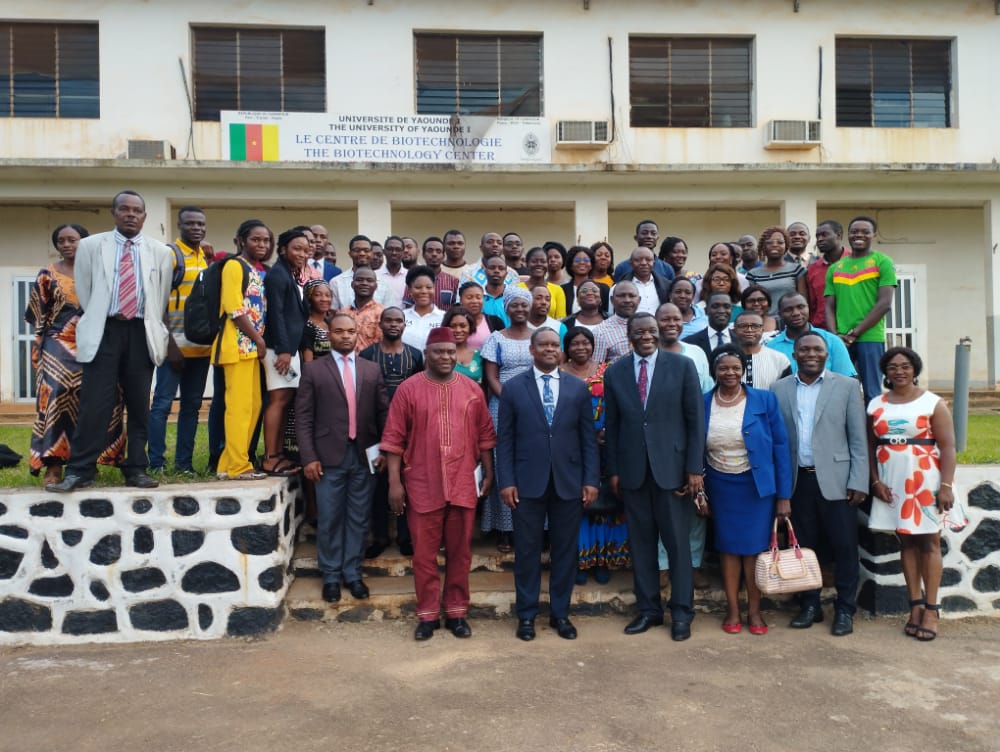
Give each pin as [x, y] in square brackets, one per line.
[352, 400]
[643, 381]
[548, 399]
[128, 301]
[719, 342]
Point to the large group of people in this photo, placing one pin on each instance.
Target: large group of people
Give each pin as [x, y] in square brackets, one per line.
[615, 414]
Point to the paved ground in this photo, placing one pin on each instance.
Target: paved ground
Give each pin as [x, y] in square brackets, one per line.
[334, 687]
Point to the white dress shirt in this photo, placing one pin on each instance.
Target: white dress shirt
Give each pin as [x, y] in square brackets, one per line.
[553, 384]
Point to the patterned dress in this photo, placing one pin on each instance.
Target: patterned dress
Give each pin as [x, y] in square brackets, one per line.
[54, 310]
[513, 357]
[912, 472]
[603, 538]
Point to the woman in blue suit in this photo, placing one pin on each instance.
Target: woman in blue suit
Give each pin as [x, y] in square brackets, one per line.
[748, 478]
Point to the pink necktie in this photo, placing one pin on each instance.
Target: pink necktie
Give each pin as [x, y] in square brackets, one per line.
[128, 301]
[643, 381]
[352, 400]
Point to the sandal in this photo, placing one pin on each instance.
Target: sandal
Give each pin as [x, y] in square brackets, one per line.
[911, 627]
[283, 468]
[923, 633]
[504, 544]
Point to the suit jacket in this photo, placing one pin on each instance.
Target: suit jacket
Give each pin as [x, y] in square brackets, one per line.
[766, 441]
[668, 435]
[286, 310]
[571, 296]
[660, 283]
[529, 450]
[330, 270]
[94, 275]
[321, 410]
[839, 438]
[704, 339]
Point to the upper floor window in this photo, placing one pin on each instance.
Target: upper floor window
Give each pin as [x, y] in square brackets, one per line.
[49, 70]
[690, 82]
[894, 83]
[479, 75]
[269, 70]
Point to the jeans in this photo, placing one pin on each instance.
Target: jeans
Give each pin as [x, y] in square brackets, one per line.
[191, 381]
[866, 356]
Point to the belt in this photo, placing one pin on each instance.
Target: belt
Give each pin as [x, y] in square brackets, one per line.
[809, 469]
[119, 317]
[900, 440]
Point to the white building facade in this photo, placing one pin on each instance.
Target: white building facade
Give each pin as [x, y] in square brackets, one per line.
[891, 110]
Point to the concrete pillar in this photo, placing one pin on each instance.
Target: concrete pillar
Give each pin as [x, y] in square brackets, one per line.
[591, 219]
[799, 209]
[161, 224]
[375, 217]
[991, 217]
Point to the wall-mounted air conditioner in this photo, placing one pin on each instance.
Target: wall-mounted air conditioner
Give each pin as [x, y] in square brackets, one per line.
[792, 134]
[582, 134]
[148, 149]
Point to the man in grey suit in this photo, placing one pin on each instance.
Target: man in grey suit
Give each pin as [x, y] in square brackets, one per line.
[123, 282]
[825, 418]
[655, 440]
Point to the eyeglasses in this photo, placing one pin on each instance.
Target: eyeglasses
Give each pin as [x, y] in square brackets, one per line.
[749, 327]
[758, 299]
[581, 260]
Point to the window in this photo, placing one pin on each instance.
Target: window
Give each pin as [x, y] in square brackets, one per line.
[479, 75]
[893, 83]
[49, 70]
[688, 82]
[267, 70]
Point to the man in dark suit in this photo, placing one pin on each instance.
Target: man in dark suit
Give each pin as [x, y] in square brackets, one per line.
[547, 463]
[720, 310]
[654, 289]
[655, 439]
[340, 411]
[827, 433]
[320, 265]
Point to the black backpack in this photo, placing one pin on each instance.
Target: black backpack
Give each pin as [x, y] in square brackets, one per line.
[202, 319]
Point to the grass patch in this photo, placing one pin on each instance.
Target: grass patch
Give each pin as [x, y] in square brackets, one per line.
[983, 445]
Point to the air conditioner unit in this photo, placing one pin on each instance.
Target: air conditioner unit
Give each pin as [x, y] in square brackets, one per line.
[147, 149]
[792, 134]
[582, 134]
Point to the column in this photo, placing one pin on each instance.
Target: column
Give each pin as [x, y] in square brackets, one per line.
[375, 217]
[991, 233]
[161, 221]
[800, 209]
[591, 218]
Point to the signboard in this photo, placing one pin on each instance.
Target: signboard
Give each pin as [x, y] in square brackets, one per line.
[410, 139]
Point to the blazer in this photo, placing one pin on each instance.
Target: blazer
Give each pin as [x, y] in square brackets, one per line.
[571, 296]
[286, 310]
[94, 276]
[766, 441]
[703, 339]
[321, 410]
[839, 438]
[660, 283]
[530, 451]
[667, 436]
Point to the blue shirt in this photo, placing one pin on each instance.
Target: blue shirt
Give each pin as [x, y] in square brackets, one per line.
[493, 306]
[837, 358]
[806, 397]
[650, 367]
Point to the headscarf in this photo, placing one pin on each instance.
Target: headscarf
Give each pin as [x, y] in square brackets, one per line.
[514, 292]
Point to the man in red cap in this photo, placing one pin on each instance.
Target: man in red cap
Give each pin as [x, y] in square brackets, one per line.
[439, 428]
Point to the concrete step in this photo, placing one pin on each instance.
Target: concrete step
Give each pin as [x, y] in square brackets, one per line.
[391, 563]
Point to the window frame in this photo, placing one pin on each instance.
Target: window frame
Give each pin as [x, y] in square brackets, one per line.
[947, 97]
[666, 87]
[537, 38]
[202, 77]
[66, 53]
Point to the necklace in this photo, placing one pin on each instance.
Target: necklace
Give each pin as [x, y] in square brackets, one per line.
[723, 401]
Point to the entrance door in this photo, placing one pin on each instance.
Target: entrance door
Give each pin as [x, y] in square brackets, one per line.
[906, 322]
[24, 336]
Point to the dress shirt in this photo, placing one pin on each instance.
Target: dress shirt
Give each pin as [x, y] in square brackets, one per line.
[713, 337]
[650, 367]
[838, 359]
[338, 358]
[140, 297]
[553, 384]
[343, 293]
[806, 397]
[394, 284]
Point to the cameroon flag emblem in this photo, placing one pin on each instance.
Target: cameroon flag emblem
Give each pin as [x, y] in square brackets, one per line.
[253, 142]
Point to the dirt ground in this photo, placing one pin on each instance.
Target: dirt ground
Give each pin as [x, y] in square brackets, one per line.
[332, 687]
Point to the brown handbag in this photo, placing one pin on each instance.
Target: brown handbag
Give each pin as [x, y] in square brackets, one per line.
[789, 570]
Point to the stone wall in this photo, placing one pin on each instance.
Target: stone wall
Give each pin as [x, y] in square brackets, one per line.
[971, 580]
[200, 561]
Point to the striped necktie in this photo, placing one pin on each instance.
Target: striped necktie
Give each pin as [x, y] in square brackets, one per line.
[128, 300]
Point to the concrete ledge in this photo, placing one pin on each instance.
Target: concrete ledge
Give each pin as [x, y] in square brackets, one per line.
[200, 560]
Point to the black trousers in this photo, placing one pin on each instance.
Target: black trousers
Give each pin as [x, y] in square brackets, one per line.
[380, 514]
[655, 513]
[834, 523]
[564, 535]
[122, 358]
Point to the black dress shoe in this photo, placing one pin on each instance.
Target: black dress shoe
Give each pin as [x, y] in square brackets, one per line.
[69, 483]
[374, 550]
[141, 480]
[525, 629]
[680, 631]
[807, 617]
[843, 624]
[331, 592]
[406, 548]
[358, 590]
[563, 627]
[643, 622]
[425, 630]
[458, 626]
